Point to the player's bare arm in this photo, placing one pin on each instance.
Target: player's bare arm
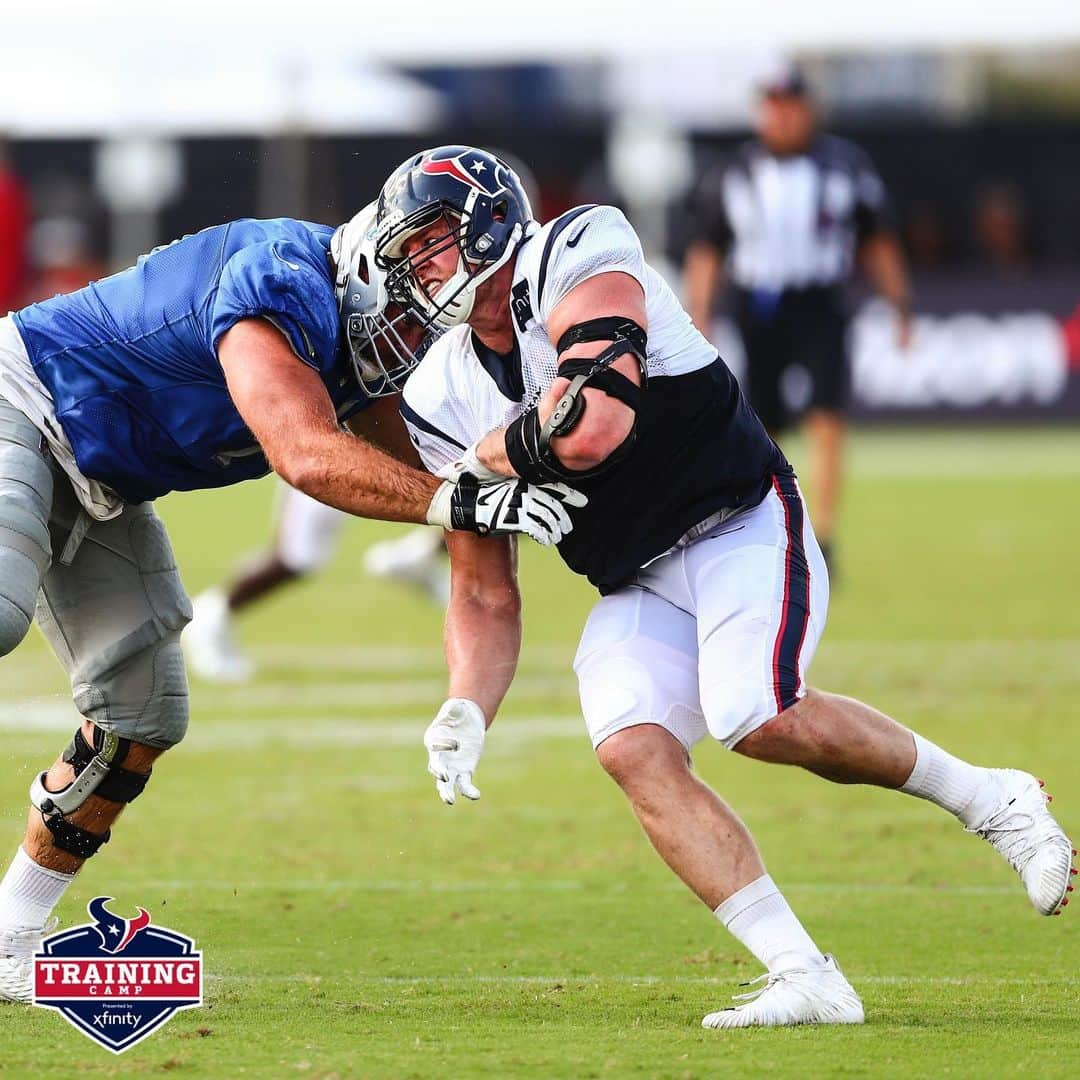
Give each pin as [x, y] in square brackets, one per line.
[605, 422]
[483, 640]
[286, 406]
[483, 619]
[883, 260]
[287, 409]
[703, 276]
[381, 425]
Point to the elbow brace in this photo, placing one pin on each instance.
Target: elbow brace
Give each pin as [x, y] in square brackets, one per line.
[528, 442]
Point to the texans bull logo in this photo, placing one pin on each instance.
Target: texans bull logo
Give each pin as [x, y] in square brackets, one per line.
[116, 933]
[468, 173]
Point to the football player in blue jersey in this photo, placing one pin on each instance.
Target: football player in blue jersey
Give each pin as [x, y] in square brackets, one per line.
[236, 350]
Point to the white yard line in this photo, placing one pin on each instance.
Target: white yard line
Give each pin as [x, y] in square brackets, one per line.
[573, 982]
[383, 659]
[558, 659]
[541, 886]
[356, 694]
[301, 730]
[546, 674]
[416, 674]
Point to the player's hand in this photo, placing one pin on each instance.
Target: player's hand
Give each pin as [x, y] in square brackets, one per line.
[454, 741]
[470, 462]
[509, 506]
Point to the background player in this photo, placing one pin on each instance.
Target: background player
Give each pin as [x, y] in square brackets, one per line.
[575, 359]
[305, 536]
[786, 215]
[238, 349]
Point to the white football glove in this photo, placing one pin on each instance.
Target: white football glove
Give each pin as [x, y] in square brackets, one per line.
[509, 506]
[454, 740]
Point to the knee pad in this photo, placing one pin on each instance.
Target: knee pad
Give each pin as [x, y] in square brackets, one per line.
[735, 709]
[620, 690]
[14, 623]
[142, 694]
[25, 555]
[135, 684]
[98, 771]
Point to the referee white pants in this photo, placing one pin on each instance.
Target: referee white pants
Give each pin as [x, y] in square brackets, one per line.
[715, 637]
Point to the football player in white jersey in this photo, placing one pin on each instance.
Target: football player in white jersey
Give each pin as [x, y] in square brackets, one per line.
[566, 356]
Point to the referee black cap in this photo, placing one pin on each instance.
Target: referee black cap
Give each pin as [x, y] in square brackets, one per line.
[785, 80]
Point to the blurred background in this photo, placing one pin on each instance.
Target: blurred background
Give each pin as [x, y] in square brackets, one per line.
[121, 132]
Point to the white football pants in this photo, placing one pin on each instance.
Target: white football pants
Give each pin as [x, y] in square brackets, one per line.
[714, 637]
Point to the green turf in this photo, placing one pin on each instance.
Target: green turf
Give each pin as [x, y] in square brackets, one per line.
[354, 927]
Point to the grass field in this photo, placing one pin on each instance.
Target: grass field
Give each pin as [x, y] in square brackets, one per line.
[353, 926]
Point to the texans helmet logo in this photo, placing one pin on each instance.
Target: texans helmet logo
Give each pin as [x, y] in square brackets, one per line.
[116, 933]
[454, 167]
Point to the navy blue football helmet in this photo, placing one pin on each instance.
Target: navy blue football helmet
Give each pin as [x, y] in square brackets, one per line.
[486, 212]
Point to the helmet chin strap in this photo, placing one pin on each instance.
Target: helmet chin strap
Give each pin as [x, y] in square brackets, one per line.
[460, 299]
[460, 290]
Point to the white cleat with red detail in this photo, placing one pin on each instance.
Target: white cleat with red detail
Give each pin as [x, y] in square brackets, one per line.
[803, 996]
[1024, 831]
[17, 948]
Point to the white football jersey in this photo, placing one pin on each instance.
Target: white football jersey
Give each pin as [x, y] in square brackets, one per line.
[461, 390]
[699, 448]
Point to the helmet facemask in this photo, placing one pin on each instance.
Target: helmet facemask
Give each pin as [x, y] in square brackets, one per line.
[379, 352]
[382, 338]
[451, 303]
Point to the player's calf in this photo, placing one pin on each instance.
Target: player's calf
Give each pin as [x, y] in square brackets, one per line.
[75, 802]
[846, 741]
[836, 737]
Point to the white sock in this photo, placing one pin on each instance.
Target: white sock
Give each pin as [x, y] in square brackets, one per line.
[760, 917]
[945, 780]
[29, 892]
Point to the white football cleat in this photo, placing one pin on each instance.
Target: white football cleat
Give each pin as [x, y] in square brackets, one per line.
[17, 948]
[1022, 829]
[800, 996]
[416, 559]
[209, 643]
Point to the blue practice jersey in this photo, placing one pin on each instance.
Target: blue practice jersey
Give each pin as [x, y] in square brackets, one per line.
[131, 360]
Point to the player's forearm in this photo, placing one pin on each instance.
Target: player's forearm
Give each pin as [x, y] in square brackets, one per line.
[702, 272]
[491, 450]
[604, 425]
[355, 476]
[483, 640]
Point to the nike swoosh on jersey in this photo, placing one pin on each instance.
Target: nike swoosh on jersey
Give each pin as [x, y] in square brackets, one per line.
[292, 265]
[573, 241]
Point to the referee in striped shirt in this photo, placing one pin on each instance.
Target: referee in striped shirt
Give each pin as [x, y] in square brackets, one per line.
[784, 220]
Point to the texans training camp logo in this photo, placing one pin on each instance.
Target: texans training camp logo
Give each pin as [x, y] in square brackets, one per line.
[117, 979]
